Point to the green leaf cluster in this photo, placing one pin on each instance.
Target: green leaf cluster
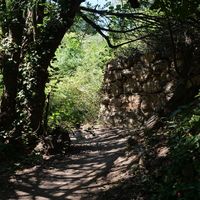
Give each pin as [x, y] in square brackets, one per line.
[76, 79]
[179, 8]
[181, 179]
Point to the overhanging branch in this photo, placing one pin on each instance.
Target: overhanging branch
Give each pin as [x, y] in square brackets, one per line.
[122, 31]
[97, 28]
[100, 31]
[140, 16]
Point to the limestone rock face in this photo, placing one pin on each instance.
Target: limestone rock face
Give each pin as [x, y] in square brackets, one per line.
[136, 88]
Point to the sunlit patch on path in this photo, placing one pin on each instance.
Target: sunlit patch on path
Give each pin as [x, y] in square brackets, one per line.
[97, 162]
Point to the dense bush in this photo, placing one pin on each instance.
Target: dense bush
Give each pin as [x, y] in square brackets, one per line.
[181, 178]
[76, 79]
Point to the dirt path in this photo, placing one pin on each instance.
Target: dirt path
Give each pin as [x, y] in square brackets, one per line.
[99, 162]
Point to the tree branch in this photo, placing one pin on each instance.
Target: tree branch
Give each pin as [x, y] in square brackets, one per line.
[141, 16]
[99, 30]
[114, 30]
[122, 31]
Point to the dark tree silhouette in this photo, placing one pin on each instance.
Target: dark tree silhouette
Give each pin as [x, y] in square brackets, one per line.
[134, 3]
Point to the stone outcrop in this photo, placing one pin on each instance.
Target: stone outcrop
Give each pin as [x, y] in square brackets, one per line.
[137, 88]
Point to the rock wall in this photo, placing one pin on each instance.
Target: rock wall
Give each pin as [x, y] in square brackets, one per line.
[141, 86]
[136, 87]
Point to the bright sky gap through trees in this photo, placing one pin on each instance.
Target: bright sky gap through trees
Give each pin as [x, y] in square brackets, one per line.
[100, 2]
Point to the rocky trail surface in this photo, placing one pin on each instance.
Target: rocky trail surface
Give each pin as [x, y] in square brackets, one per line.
[98, 161]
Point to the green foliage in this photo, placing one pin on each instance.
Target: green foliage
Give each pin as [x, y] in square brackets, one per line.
[182, 176]
[179, 8]
[75, 98]
[69, 55]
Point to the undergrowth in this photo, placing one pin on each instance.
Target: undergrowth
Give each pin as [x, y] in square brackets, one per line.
[181, 175]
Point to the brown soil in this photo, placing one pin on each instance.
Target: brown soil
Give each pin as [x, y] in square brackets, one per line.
[98, 161]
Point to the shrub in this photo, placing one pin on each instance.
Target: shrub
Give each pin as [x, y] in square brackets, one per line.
[76, 84]
[181, 178]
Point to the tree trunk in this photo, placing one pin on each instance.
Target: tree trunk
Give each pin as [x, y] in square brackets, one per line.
[25, 67]
[9, 62]
[8, 101]
[38, 56]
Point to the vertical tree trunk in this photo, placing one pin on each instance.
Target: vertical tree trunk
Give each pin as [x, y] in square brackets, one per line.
[32, 46]
[9, 62]
[8, 101]
[43, 48]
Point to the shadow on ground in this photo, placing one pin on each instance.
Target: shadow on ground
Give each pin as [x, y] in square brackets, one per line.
[94, 165]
